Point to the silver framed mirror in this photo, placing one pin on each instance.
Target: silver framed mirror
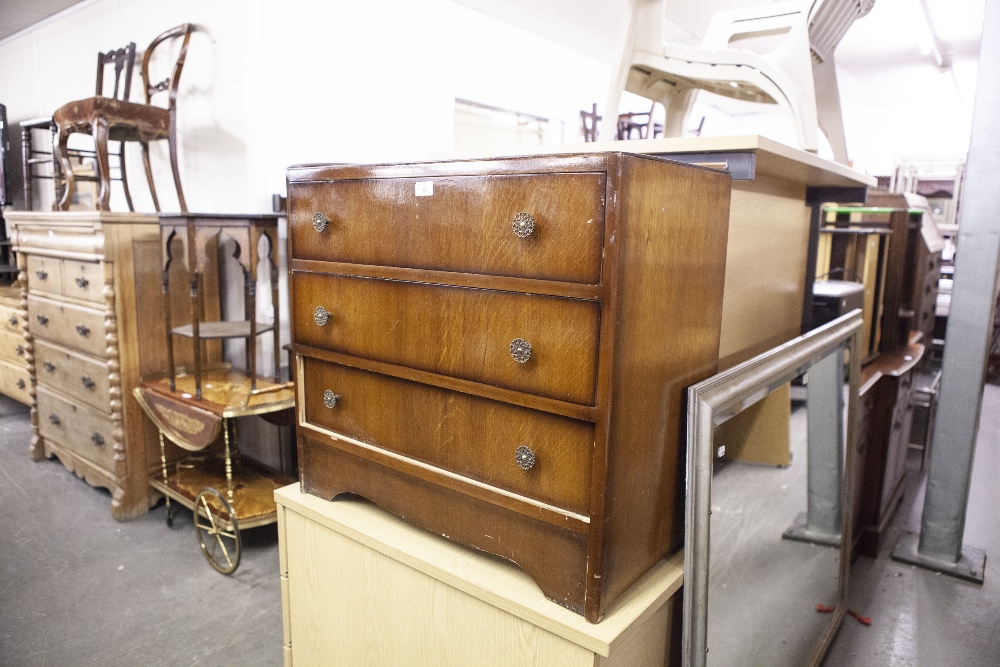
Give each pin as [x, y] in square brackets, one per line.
[725, 395]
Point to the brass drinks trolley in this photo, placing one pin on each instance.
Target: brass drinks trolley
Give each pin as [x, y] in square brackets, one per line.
[193, 407]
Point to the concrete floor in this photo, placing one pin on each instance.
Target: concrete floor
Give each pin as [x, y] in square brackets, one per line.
[921, 618]
[78, 588]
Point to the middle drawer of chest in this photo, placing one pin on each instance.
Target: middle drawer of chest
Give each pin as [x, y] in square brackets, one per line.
[80, 376]
[542, 345]
[12, 346]
[75, 326]
[471, 436]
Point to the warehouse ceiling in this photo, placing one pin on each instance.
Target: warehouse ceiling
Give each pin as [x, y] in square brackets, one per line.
[16, 15]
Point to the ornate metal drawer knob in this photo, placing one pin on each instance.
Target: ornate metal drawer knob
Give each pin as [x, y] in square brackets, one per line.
[520, 349]
[54, 420]
[523, 224]
[330, 399]
[88, 383]
[82, 330]
[42, 275]
[524, 457]
[42, 319]
[320, 222]
[49, 366]
[97, 439]
[20, 350]
[20, 383]
[82, 282]
[13, 320]
[321, 315]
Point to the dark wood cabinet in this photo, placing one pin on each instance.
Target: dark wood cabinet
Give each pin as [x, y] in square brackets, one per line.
[900, 316]
[885, 418]
[498, 350]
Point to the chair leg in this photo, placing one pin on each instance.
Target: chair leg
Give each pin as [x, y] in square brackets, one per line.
[124, 176]
[149, 175]
[619, 77]
[62, 155]
[828, 113]
[678, 107]
[100, 130]
[173, 163]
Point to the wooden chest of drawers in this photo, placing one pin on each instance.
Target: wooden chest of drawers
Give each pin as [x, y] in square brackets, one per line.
[93, 323]
[14, 378]
[497, 351]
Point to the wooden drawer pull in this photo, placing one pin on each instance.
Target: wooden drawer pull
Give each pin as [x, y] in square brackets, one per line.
[330, 399]
[524, 457]
[50, 367]
[320, 222]
[82, 330]
[13, 320]
[97, 439]
[20, 350]
[20, 383]
[321, 315]
[523, 224]
[42, 275]
[42, 319]
[82, 282]
[54, 420]
[520, 349]
[88, 383]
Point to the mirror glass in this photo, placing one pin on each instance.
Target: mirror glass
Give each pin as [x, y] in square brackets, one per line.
[776, 517]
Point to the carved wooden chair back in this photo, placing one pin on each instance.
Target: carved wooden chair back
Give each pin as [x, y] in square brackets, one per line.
[123, 61]
[171, 83]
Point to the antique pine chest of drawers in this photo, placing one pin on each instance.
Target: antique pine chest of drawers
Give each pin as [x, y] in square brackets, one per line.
[91, 327]
[14, 378]
[498, 350]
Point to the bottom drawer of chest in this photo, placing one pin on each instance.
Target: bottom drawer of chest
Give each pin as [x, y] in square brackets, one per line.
[464, 434]
[82, 430]
[554, 556]
[15, 382]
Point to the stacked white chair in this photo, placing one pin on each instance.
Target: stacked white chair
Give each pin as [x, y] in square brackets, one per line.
[798, 73]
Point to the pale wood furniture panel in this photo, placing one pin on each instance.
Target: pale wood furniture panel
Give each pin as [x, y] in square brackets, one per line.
[362, 587]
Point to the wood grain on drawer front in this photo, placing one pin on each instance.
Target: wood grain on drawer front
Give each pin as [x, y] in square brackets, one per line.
[15, 381]
[82, 377]
[12, 346]
[10, 319]
[468, 435]
[83, 280]
[78, 327]
[81, 429]
[455, 331]
[44, 274]
[465, 225]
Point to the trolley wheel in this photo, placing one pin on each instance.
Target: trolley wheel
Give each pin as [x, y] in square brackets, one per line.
[215, 523]
[170, 517]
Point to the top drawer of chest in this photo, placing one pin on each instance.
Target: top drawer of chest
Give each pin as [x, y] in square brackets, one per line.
[471, 224]
[66, 277]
